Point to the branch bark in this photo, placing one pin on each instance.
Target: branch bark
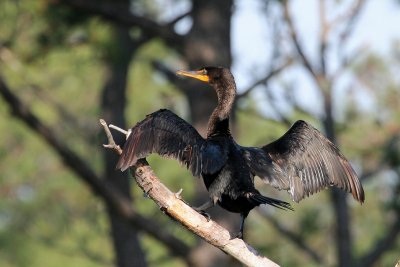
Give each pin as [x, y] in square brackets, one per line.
[172, 205]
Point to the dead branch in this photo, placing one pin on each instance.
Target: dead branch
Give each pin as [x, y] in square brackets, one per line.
[172, 205]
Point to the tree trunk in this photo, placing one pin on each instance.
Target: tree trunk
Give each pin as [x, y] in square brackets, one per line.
[125, 237]
[208, 44]
[339, 197]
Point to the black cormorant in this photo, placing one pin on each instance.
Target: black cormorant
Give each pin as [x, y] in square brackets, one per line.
[302, 161]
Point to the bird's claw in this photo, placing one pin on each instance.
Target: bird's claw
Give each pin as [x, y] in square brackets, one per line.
[238, 235]
[205, 214]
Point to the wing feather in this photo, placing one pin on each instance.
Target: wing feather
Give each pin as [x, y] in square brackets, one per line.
[168, 135]
[303, 161]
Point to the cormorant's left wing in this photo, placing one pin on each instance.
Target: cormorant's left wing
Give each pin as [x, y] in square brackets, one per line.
[168, 135]
[303, 161]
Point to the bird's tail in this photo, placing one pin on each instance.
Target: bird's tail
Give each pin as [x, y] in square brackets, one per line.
[259, 199]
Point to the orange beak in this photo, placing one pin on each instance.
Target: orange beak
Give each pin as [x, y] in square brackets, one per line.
[196, 74]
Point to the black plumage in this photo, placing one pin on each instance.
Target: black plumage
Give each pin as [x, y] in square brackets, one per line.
[302, 161]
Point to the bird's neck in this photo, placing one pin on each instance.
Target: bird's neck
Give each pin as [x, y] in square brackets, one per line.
[218, 123]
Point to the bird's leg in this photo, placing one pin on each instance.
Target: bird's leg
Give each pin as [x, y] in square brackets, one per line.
[201, 209]
[243, 217]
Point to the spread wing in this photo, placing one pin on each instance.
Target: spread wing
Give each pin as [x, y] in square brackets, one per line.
[168, 135]
[303, 161]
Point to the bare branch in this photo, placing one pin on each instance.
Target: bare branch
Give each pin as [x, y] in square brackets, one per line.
[126, 133]
[166, 71]
[172, 205]
[178, 18]
[266, 79]
[350, 16]
[111, 143]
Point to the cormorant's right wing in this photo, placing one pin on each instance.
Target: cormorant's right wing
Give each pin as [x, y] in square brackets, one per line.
[303, 161]
[168, 135]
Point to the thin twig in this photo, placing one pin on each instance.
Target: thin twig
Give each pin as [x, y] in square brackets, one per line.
[111, 143]
[126, 133]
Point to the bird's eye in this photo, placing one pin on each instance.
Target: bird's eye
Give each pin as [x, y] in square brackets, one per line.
[204, 71]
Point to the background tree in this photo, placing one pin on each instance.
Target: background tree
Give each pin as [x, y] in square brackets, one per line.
[72, 61]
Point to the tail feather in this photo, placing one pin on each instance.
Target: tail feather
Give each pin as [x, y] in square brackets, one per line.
[259, 199]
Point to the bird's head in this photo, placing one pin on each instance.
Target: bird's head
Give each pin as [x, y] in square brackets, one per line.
[216, 76]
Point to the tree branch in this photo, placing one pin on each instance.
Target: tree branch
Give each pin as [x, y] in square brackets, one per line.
[295, 238]
[306, 62]
[350, 16]
[264, 80]
[100, 187]
[173, 206]
[382, 245]
[118, 13]
[323, 42]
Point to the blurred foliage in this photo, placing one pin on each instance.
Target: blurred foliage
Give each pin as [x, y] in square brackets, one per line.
[57, 67]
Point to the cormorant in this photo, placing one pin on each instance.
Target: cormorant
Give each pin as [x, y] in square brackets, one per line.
[302, 161]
